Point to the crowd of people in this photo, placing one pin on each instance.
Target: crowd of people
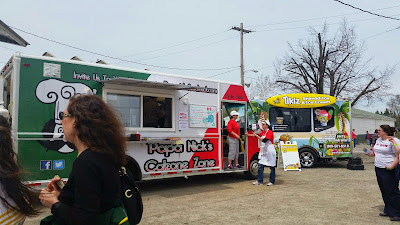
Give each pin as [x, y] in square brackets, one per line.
[93, 186]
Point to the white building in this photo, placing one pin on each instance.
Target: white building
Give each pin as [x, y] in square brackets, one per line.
[364, 121]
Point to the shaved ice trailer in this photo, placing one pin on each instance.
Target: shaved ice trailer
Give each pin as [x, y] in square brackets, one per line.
[320, 124]
[176, 125]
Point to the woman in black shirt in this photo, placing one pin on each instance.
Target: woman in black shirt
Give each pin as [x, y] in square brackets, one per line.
[93, 186]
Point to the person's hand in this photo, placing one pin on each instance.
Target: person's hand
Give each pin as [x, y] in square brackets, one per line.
[391, 139]
[48, 198]
[52, 186]
[250, 135]
[389, 167]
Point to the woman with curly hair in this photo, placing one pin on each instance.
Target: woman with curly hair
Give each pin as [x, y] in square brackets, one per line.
[94, 184]
[17, 199]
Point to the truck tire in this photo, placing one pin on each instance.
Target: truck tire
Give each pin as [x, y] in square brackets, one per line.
[251, 174]
[308, 158]
[134, 168]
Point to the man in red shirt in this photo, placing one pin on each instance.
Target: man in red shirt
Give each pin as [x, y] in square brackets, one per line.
[354, 136]
[233, 140]
[368, 138]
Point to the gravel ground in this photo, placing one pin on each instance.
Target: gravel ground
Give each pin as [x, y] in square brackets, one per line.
[327, 194]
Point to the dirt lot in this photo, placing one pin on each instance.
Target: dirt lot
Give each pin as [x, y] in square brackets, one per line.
[328, 194]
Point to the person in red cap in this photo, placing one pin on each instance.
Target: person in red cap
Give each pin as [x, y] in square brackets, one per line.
[267, 155]
[233, 140]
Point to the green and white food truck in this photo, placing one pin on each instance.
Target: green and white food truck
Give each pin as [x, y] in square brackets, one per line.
[179, 122]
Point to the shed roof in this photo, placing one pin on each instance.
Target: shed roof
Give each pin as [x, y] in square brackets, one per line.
[365, 114]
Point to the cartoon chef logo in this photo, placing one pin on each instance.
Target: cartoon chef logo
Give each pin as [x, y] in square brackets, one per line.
[57, 92]
[323, 116]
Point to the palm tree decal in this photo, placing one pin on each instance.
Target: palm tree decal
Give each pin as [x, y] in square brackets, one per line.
[341, 114]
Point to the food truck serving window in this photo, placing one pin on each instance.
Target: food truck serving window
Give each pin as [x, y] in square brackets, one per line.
[290, 120]
[156, 110]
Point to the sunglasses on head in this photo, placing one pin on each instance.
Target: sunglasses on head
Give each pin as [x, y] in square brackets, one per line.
[62, 115]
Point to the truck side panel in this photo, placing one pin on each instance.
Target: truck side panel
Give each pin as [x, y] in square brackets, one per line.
[41, 149]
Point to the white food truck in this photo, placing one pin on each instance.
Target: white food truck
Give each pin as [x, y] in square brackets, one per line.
[176, 125]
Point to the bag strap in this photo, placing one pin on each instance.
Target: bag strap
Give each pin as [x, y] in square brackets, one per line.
[128, 180]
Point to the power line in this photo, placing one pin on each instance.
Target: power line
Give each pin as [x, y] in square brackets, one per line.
[318, 18]
[159, 49]
[8, 49]
[115, 58]
[174, 53]
[381, 33]
[291, 28]
[375, 14]
[223, 73]
[238, 68]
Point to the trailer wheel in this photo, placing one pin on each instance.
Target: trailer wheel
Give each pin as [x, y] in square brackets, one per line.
[308, 158]
[251, 174]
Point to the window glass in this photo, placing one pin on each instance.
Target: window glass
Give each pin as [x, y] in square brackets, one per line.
[290, 120]
[227, 108]
[128, 107]
[323, 118]
[157, 112]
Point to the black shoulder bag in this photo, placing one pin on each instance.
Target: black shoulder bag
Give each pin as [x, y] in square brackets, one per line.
[131, 197]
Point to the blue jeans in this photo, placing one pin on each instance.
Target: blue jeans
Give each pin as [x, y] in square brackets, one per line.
[261, 174]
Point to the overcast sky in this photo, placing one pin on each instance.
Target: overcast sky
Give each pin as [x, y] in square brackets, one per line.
[195, 35]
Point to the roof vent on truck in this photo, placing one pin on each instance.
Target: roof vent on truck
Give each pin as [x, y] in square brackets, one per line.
[48, 54]
[100, 61]
[76, 58]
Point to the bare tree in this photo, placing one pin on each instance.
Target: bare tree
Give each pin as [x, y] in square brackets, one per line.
[261, 86]
[393, 106]
[332, 65]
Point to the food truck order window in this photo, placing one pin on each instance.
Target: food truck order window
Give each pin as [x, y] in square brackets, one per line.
[156, 110]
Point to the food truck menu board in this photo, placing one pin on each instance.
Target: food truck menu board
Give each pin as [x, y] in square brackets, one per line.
[202, 116]
[290, 156]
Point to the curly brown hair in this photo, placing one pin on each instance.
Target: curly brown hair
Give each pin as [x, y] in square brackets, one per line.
[98, 127]
[24, 196]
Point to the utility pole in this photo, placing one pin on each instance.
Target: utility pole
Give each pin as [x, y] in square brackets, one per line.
[241, 30]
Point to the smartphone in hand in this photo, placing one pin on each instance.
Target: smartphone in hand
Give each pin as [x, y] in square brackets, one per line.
[60, 183]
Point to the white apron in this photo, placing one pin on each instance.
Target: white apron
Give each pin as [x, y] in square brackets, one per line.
[267, 155]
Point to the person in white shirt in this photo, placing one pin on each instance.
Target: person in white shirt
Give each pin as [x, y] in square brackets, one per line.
[16, 199]
[386, 159]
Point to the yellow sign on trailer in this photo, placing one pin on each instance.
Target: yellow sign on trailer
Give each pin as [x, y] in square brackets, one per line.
[301, 100]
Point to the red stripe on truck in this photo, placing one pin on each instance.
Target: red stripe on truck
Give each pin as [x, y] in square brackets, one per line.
[155, 174]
